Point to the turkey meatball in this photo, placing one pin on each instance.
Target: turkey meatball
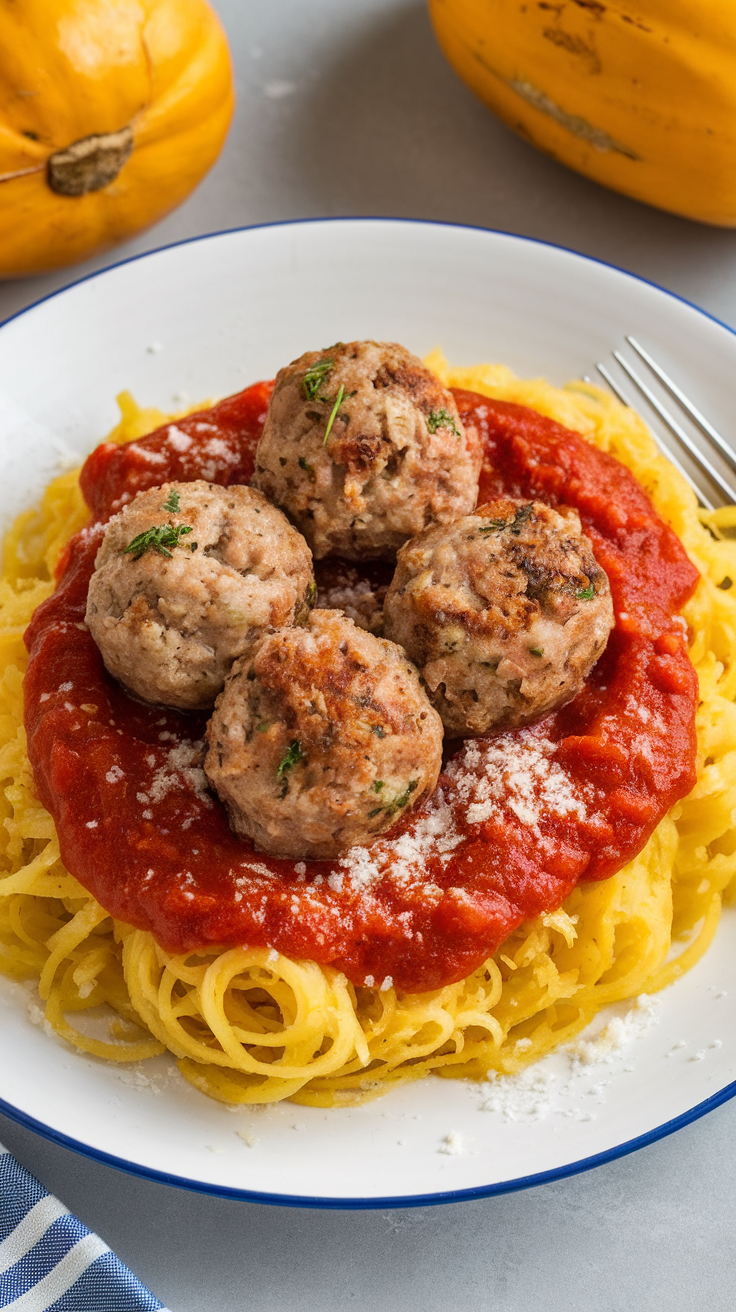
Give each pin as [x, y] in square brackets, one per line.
[504, 612]
[188, 577]
[322, 739]
[363, 447]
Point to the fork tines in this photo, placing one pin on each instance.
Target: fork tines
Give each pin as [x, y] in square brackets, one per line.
[704, 466]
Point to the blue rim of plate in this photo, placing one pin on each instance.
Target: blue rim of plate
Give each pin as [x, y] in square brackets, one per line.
[368, 1204]
[410, 1200]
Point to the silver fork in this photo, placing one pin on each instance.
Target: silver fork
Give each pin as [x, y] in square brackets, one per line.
[704, 465]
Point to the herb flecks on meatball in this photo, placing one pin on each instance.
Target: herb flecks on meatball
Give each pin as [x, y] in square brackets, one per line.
[504, 612]
[363, 448]
[322, 739]
[188, 577]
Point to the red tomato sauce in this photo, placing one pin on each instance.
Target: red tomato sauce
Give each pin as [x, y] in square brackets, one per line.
[516, 821]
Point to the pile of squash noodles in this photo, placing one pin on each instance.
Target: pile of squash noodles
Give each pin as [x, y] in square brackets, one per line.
[249, 1025]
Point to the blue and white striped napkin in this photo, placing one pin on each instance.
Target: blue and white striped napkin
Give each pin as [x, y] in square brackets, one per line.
[50, 1262]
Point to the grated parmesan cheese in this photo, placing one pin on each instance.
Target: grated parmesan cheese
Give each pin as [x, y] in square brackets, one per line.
[515, 774]
[217, 447]
[452, 1144]
[180, 772]
[548, 1089]
[619, 1031]
[178, 440]
[404, 859]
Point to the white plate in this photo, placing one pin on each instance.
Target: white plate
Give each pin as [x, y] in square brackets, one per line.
[205, 318]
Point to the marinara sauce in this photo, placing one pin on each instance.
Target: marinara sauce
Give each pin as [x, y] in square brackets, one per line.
[517, 820]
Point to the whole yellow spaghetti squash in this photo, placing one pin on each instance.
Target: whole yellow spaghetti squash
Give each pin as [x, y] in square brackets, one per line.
[637, 94]
[111, 112]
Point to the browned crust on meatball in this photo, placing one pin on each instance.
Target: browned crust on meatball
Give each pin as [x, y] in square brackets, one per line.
[170, 626]
[322, 739]
[395, 460]
[504, 612]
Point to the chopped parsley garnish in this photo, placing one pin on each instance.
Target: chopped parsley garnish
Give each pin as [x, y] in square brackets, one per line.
[586, 594]
[264, 726]
[291, 757]
[442, 419]
[161, 539]
[314, 378]
[172, 502]
[378, 730]
[311, 593]
[308, 469]
[193, 546]
[536, 651]
[377, 785]
[398, 803]
[521, 514]
[335, 408]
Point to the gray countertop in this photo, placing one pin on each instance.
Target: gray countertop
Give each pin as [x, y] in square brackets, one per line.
[348, 108]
